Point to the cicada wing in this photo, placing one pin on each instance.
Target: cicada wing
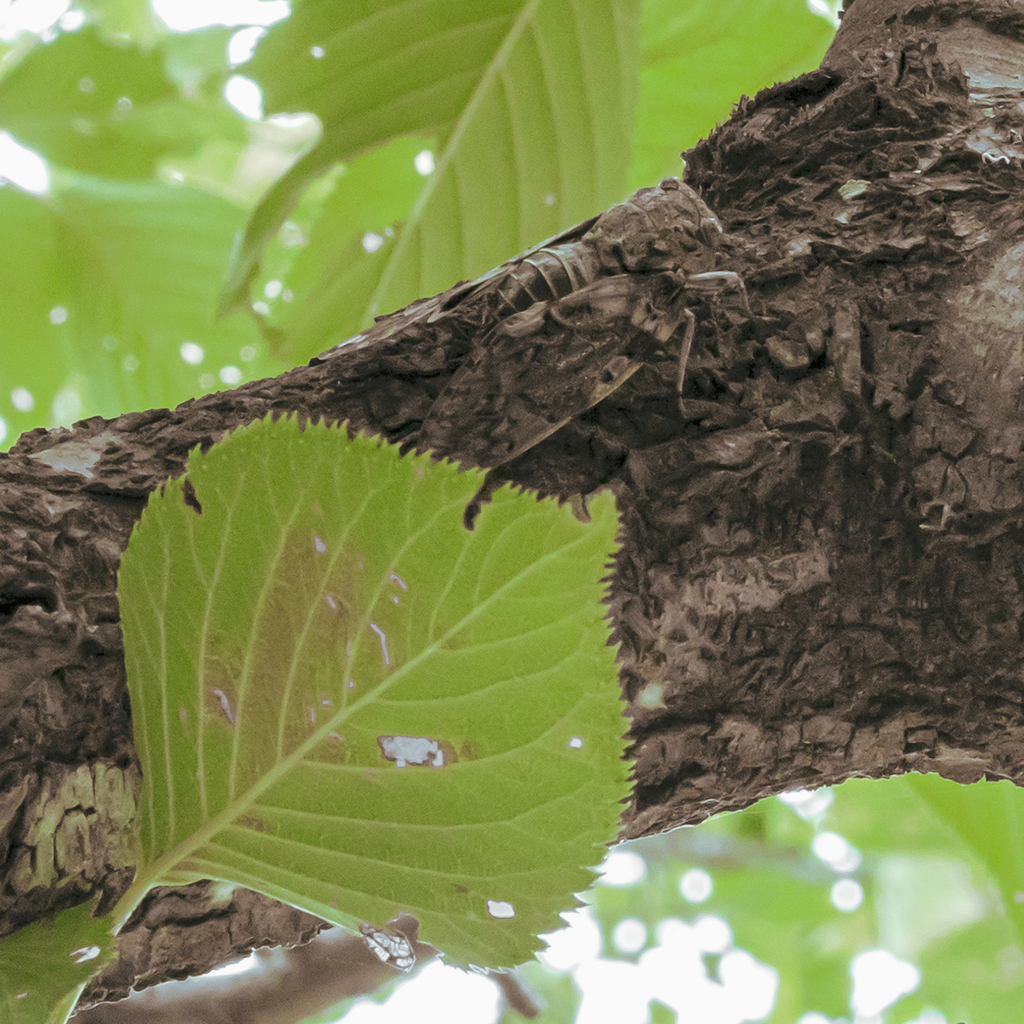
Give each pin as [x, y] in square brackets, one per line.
[537, 370]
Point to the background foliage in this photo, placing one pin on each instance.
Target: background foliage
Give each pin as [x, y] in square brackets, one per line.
[448, 142]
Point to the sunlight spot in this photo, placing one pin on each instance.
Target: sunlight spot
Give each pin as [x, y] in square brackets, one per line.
[36, 16]
[206, 381]
[696, 886]
[130, 364]
[879, 980]
[331, 603]
[752, 984]
[245, 96]
[66, 406]
[836, 852]
[242, 44]
[272, 289]
[22, 400]
[623, 867]
[247, 353]
[261, 307]
[847, 895]
[319, 545]
[575, 742]
[3, 428]
[316, 51]
[579, 941]
[372, 241]
[230, 374]
[58, 315]
[712, 934]
[501, 909]
[22, 166]
[85, 953]
[424, 162]
[807, 803]
[249, 963]
[183, 17]
[457, 995]
[192, 353]
[183, 714]
[549, 200]
[123, 106]
[630, 935]
[109, 342]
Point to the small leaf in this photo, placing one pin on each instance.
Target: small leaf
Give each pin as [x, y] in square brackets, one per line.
[45, 965]
[345, 700]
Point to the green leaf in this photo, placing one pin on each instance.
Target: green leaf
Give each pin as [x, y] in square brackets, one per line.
[103, 282]
[698, 56]
[988, 817]
[45, 966]
[327, 617]
[78, 100]
[530, 103]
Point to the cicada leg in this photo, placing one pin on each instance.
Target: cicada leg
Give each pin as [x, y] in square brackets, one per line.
[710, 283]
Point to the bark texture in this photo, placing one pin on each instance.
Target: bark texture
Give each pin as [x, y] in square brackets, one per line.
[821, 573]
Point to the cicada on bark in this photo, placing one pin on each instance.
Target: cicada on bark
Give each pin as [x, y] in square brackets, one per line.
[563, 325]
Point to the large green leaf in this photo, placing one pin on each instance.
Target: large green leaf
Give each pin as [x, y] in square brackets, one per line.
[45, 966]
[346, 700]
[529, 103]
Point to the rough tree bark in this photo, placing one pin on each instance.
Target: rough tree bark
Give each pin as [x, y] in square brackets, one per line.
[821, 573]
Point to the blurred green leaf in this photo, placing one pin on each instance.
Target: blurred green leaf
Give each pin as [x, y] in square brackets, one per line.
[988, 817]
[975, 974]
[698, 56]
[82, 103]
[104, 281]
[44, 966]
[774, 896]
[327, 618]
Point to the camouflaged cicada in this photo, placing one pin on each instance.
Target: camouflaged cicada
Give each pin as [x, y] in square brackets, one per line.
[563, 325]
[576, 319]
[668, 227]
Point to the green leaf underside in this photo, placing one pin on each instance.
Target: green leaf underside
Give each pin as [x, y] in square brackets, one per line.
[327, 599]
[45, 966]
